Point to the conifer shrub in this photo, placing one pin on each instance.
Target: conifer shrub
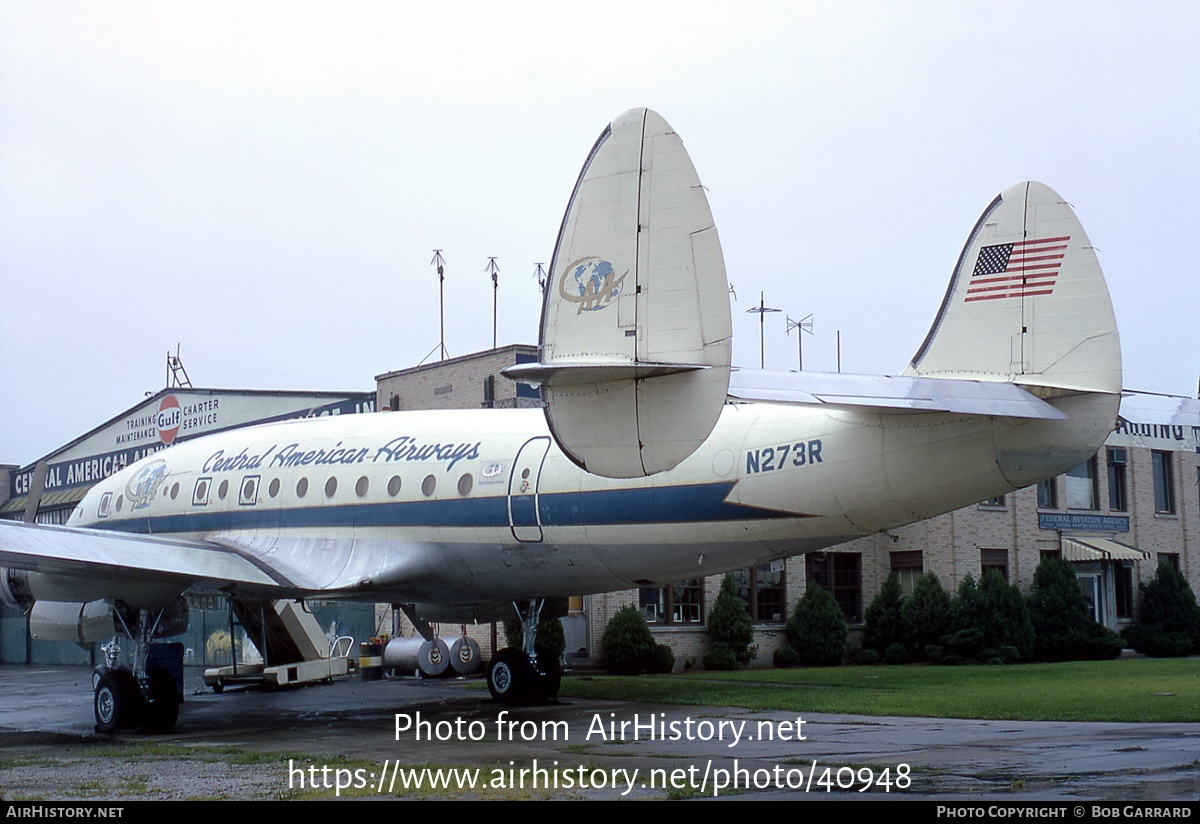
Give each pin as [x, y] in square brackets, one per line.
[817, 630]
[629, 647]
[664, 659]
[925, 615]
[1063, 627]
[729, 623]
[720, 657]
[882, 624]
[1168, 621]
[986, 617]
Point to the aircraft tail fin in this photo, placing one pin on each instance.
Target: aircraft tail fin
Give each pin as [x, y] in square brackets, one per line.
[636, 332]
[1027, 303]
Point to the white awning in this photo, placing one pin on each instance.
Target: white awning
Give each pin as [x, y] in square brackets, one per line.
[1099, 549]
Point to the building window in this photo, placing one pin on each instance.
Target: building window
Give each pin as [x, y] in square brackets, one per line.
[840, 574]
[1047, 494]
[1081, 486]
[996, 559]
[680, 603]
[1164, 483]
[1123, 580]
[997, 502]
[762, 590]
[908, 567]
[1117, 463]
[1171, 558]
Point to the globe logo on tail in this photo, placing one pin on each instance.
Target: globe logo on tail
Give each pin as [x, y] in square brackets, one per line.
[591, 284]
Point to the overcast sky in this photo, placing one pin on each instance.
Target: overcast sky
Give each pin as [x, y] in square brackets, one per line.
[264, 183]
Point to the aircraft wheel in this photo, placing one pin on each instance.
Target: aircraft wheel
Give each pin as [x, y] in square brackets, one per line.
[218, 686]
[115, 700]
[548, 679]
[161, 711]
[508, 676]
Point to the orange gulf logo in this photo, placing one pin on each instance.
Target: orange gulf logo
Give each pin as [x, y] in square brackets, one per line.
[169, 416]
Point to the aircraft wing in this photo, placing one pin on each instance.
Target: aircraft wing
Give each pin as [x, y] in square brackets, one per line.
[889, 392]
[99, 554]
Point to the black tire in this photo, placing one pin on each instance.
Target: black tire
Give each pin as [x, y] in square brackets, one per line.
[115, 701]
[161, 711]
[508, 676]
[547, 680]
[218, 686]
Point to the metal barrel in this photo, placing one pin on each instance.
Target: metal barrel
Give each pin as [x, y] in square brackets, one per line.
[370, 661]
[465, 655]
[415, 654]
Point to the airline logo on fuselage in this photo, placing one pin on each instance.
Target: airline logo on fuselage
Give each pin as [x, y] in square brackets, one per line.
[144, 484]
[591, 284]
[402, 448]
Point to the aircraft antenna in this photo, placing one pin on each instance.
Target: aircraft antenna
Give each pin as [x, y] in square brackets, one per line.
[805, 324]
[440, 263]
[540, 274]
[177, 376]
[761, 310]
[493, 270]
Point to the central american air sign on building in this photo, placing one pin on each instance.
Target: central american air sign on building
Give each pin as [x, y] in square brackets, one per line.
[176, 415]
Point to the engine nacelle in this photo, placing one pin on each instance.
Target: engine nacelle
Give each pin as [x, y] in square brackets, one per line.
[14, 588]
[82, 624]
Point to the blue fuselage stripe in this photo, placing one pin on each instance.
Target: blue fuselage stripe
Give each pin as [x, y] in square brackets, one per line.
[652, 505]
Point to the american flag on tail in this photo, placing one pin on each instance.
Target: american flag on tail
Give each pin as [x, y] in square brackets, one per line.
[1021, 269]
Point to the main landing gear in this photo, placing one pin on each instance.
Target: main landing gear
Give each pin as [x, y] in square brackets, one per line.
[517, 675]
[146, 697]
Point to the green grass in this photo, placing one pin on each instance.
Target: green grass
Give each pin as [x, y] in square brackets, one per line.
[1124, 690]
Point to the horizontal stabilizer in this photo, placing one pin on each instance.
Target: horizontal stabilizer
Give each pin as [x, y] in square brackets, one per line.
[562, 374]
[886, 392]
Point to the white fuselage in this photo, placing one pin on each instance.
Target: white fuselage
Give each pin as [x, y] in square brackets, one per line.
[462, 507]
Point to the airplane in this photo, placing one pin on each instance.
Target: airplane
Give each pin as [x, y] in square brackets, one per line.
[652, 459]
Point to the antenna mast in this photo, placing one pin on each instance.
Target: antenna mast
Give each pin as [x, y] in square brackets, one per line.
[761, 310]
[805, 324]
[177, 376]
[494, 271]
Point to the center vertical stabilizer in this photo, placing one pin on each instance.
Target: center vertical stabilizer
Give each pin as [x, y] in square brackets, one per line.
[636, 330]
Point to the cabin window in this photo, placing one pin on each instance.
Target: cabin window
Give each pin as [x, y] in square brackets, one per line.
[330, 487]
[120, 501]
[362, 487]
[223, 490]
[200, 493]
[465, 484]
[394, 486]
[428, 486]
[274, 487]
[174, 491]
[301, 487]
[248, 496]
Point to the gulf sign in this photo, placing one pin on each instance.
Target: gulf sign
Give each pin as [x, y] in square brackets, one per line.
[168, 419]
